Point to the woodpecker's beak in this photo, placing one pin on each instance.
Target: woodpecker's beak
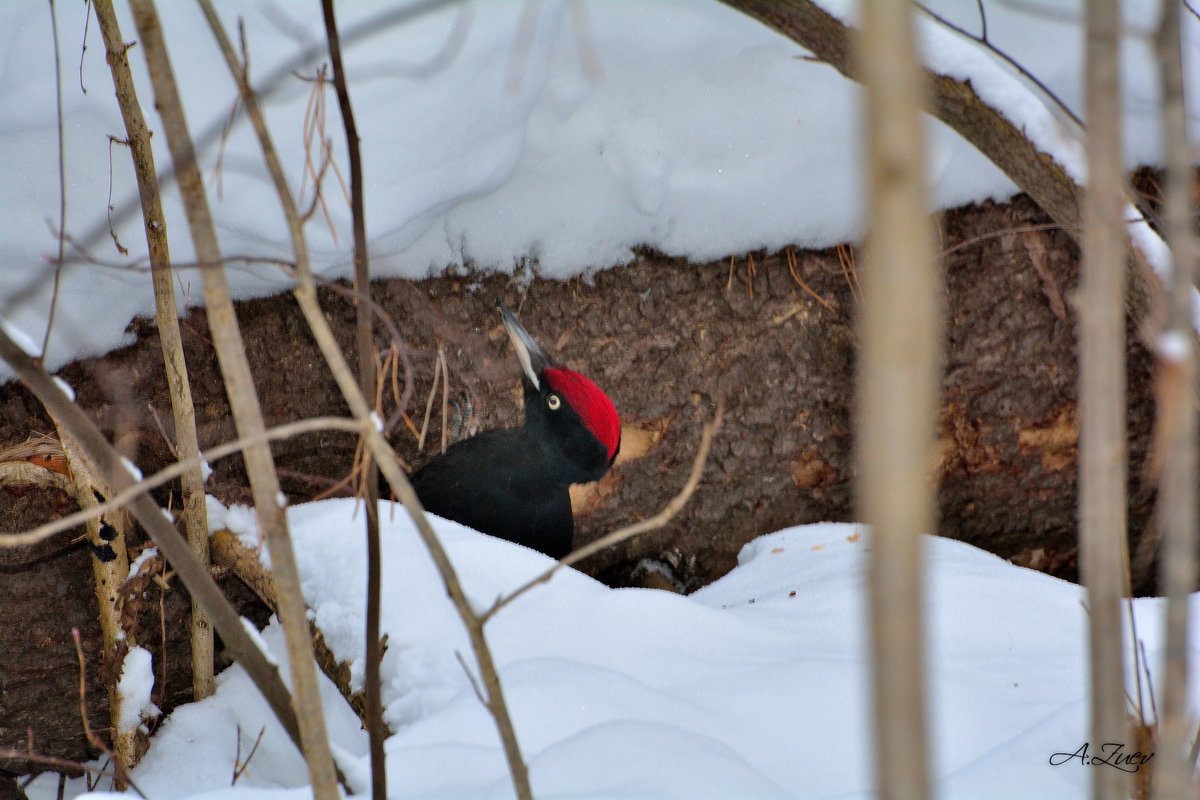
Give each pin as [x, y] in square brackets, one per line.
[532, 359]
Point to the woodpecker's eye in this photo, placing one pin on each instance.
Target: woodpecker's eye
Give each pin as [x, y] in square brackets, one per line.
[554, 402]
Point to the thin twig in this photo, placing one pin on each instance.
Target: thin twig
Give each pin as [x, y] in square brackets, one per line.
[122, 776]
[790, 256]
[445, 397]
[437, 371]
[983, 237]
[239, 766]
[193, 512]
[318, 198]
[660, 519]
[62, 181]
[123, 497]
[8, 754]
[846, 260]
[462, 662]
[368, 380]
[380, 314]
[982, 40]
[87, 22]
[108, 203]
[165, 576]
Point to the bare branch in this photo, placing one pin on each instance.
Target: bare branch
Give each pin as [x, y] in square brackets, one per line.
[378, 446]
[62, 181]
[1102, 382]
[7, 754]
[110, 571]
[437, 371]
[239, 766]
[982, 40]
[896, 395]
[1175, 421]
[445, 398]
[194, 512]
[142, 487]
[367, 380]
[243, 401]
[27, 473]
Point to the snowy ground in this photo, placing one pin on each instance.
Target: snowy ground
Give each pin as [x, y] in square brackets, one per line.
[756, 686]
[560, 140]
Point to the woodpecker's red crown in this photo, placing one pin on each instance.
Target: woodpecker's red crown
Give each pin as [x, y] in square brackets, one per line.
[590, 403]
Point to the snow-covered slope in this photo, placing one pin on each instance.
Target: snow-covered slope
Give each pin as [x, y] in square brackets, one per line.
[755, 686]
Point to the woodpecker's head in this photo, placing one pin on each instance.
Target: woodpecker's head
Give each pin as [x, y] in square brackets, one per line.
[568, 410]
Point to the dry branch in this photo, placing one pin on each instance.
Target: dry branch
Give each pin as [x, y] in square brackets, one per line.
[110, 571]
[1175, 425]
[367, 379]
[1102, 386]
[381, 451]
[24, 474]
[193, 513]
[897, 392]
[243, 401]
[124, 496]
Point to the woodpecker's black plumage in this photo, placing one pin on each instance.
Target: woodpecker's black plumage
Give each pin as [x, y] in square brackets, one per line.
[513, 482]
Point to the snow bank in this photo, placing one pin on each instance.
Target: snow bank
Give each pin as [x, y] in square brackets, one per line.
[756, 685]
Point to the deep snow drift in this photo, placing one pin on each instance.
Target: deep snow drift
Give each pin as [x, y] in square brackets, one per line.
[755, 686]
